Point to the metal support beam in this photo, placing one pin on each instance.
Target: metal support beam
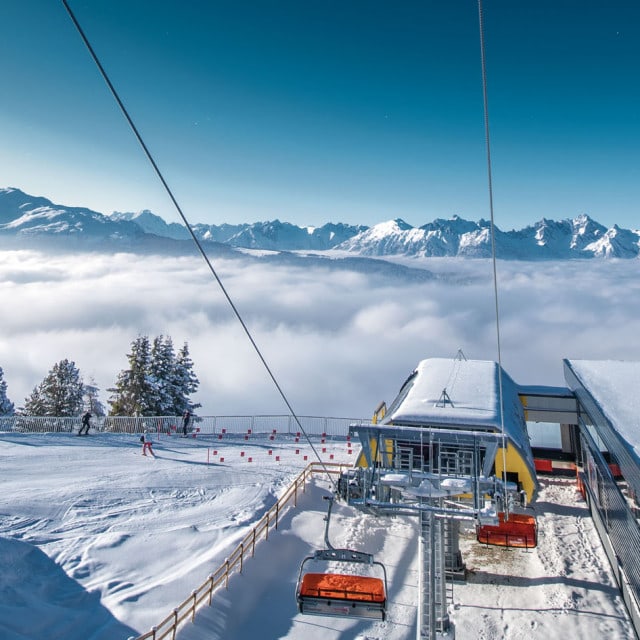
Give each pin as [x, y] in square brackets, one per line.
[453, 565]
[433, 615]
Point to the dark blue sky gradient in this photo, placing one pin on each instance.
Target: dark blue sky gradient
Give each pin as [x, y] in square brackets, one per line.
[311, 112]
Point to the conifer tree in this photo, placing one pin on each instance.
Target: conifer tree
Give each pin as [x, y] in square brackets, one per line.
[59, 394]
[185, 381]
[135, 390]
[6, 406]
[157, 383]
[91, 399]
[163, 361]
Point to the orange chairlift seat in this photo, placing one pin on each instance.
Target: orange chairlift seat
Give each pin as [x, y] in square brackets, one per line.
[342, 594]
[342, 586]
[518, 530]
[346, 593]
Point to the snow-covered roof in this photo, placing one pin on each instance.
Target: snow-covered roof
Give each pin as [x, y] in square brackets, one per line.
[471, 400]
[544, 390]
[615, 386]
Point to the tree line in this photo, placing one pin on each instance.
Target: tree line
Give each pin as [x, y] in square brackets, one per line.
[157, 382]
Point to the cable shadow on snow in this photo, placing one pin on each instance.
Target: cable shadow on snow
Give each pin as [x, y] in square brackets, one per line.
[578, 511]
[187, 462]
[486, 577]
[17, 439]
[551, 610]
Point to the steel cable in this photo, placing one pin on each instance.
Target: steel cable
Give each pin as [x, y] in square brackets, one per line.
[493, 242]
[178, 208]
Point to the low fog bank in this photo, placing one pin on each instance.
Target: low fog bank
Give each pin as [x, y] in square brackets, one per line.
[339, 336]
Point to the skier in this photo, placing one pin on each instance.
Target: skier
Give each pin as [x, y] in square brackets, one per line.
[85, 424]
[186, 419]
[146, 444]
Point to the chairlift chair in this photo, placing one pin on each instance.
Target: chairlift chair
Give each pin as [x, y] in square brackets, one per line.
[341, 594]
[517, 530]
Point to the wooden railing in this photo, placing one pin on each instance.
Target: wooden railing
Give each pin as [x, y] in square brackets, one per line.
[235, 562]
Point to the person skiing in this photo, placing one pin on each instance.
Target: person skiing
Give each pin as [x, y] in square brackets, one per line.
[85, 424]
[186, 419]
[146, 443]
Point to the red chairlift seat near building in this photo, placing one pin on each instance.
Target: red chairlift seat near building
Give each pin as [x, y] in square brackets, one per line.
[519, 530]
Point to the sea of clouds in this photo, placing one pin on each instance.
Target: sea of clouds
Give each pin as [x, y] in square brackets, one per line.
[339, 339]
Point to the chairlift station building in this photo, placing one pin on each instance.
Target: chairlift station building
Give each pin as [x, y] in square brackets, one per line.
[454, 405]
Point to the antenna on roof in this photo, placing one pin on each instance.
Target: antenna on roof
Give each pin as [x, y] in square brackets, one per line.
[444, 399]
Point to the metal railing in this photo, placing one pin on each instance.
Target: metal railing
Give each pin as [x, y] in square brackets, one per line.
[205, 425]
[168, 627]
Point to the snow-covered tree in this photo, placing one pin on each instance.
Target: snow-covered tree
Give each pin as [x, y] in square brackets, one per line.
[185, 381]
[6, 406]
[158, 381]
[135, 390]
[91, 399]
[59, 394]
[162, 366]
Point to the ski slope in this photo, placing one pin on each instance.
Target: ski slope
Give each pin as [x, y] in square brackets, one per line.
[100, 543]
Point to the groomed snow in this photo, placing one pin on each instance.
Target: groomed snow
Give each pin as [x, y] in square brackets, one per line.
[100, 543]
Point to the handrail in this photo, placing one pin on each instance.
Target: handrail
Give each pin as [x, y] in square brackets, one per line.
[168, 627]
[202, 425]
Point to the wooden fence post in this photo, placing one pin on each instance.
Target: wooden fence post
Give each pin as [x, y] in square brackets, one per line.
[175, 623]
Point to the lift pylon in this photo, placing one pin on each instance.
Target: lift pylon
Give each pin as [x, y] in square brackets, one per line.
[443, 476]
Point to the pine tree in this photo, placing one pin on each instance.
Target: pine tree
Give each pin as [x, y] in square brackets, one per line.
[157, 383]
[91, 399]
[59, 394]
[162, 366]
[6, 406]
[135, 392]
[185, 382]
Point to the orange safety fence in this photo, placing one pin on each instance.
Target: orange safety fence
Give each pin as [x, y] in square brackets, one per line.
[547, 466]
[580, 483]
[342, 587]
[543, 466]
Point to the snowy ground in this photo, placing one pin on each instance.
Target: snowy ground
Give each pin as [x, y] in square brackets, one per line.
[127, 538]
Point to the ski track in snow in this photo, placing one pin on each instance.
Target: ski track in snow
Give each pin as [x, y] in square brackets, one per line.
[95, 504]
[140, 534]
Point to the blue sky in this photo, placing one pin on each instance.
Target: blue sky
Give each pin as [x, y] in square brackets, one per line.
[311, 112]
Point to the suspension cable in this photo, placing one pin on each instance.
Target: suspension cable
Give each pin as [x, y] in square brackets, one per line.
[195, 239]
[493, 243]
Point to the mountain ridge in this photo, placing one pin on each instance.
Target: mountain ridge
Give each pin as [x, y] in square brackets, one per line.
[23, 217]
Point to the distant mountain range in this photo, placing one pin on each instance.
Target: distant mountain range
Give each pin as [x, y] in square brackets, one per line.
[26, 219]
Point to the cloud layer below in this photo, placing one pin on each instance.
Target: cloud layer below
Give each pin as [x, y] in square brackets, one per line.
[338, 340]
